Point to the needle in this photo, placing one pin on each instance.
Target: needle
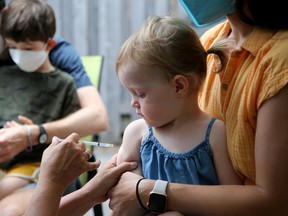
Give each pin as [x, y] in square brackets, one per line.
[99, 144]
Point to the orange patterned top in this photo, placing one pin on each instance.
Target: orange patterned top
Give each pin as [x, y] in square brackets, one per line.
[253, 74]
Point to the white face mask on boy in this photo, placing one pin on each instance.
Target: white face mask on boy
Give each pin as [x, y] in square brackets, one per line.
[28, 60]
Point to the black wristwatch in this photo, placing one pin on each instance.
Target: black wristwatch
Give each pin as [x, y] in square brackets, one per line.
[158, 198]
[43, 138]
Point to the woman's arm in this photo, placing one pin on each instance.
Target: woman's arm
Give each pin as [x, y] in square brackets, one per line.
[62, 163]
[96, 190]
[223, 165]
[268, 196]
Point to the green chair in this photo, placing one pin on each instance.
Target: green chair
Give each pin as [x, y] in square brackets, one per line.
[93, 66]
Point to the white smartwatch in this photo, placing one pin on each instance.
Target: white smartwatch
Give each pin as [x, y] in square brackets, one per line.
[158, 199]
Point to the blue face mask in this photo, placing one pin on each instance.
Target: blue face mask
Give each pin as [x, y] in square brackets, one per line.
[205, 12]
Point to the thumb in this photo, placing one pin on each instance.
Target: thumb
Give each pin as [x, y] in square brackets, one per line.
[25, 120]
[125, 166]
[55, 140]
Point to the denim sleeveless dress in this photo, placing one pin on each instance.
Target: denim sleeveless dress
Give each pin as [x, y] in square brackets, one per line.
[192, 167]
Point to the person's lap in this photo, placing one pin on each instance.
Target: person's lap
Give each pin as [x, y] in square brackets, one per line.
[16, 203]
[10, 184]
[19, 176]
[20, 182]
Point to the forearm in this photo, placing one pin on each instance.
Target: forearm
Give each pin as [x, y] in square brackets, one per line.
[90, 119]
[45, 200]
[84, 122]
[216, 200]
[77, 122]
[77, 203]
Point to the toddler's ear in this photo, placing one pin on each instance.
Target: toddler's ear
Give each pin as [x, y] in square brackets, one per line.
[181, 85]
[51, 43]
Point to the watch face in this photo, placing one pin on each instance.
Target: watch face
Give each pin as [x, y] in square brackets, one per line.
[43, 138]
[157, 203]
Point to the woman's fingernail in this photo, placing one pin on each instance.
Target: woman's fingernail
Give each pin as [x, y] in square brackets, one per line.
[55, 139]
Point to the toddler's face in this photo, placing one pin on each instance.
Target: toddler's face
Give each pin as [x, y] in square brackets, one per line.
[152, 96]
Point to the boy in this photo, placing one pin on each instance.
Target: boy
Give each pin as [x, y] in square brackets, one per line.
[33, 87]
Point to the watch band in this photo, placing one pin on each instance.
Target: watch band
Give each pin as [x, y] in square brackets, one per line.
[160, 187]
[42, 139]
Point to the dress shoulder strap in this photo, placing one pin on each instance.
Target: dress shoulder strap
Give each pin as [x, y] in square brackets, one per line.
[209, 128]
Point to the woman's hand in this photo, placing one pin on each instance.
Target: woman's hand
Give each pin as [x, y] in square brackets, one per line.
[123, 200]
[65, 160]
[62, 162]
[106, 178]
[95, 191]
